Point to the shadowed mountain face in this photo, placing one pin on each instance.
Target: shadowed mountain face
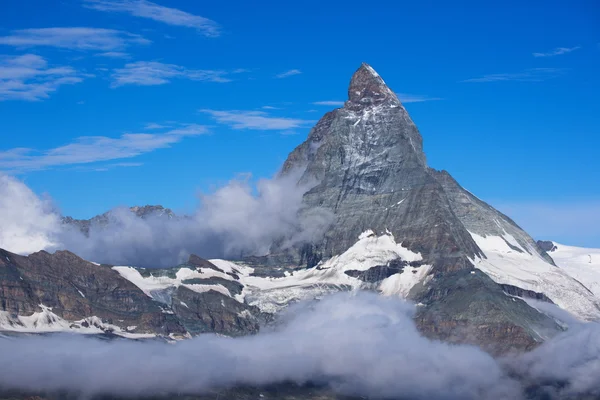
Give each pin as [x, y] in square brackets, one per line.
[368, 159]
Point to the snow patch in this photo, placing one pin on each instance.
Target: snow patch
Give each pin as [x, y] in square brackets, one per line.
[151, 284]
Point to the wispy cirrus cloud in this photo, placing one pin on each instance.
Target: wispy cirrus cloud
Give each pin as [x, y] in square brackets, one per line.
[528, 75]
[150, 73]
[156, 12]
[557, 51]
[92, 149]
[335, 103]
[114, 54]
[74, 38]
[28, 77]
[416, 98]
[289, 73]
[255, 120]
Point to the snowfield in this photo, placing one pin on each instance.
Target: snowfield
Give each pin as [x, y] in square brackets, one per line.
[507, 262]
[580, 263]
[273, 294]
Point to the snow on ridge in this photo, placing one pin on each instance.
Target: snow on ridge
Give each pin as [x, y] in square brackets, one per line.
[46, 321]
[150, 284]
[530, 271]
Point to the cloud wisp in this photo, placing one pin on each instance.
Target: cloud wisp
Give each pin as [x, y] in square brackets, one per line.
[236, 220]
[557, 51]
[335, 103]
[91, 149]
[73, 38]
[528, 75]
[151, 73]
[416, 98]
[156, 12]
[255, 120]
[29, 77]
[288, 73]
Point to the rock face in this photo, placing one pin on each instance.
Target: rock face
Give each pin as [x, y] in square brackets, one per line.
[75, 289]
[60, 291]
[368, 159]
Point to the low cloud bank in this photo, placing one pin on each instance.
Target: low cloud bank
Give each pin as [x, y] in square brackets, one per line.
[236, 220]
[358, 344]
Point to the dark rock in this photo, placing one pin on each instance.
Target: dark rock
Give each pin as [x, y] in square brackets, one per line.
[77, 289]
[212, 311]
[546, 245]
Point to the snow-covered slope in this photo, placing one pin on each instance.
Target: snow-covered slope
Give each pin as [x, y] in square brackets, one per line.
[154, 283]
[46, 321]
[583, 264]
[508, 262]
[272, 294]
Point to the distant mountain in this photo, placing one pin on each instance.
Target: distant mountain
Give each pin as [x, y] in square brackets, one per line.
[146, 211]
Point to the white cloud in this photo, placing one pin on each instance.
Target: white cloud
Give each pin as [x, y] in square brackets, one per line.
[28, 77]
[286, 74]
[329, 103]
[256, 120]
[415, 98]
[270, 108]
[149, 73]
[156, 12]
[114, 54]
[90, 149]
[75, 38]
[557, 51]
[153, 125]
[529, 75]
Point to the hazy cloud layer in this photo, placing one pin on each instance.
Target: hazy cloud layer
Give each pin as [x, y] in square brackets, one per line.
[90, 149]
[360, 344]
[528, 75]
[557, 51]
[576, 222]
[156, 12]
[74, 38]
[236, 220]
[29, 77]
[356, 343]
[150, 73]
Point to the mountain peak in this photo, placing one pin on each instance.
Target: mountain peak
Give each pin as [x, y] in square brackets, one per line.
[367, 89]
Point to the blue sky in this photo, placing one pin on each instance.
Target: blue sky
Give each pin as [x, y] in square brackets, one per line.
[120, 102]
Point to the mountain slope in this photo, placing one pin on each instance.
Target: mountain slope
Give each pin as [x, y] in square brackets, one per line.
[61, 292]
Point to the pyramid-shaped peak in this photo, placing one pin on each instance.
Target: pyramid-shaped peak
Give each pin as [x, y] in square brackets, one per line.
[367, 88]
